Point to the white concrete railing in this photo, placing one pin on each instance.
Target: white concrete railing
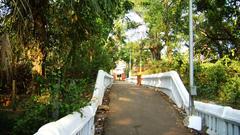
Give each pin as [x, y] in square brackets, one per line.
[171, 84]
[218, 119]
[76, 123]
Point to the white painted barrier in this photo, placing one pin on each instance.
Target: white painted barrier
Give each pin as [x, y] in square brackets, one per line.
[76, 123]
[218, 119]
[171, 84]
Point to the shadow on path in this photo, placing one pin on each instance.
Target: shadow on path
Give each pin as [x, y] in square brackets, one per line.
[136, 110]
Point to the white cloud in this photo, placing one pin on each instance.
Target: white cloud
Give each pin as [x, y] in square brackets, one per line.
[133, 16]
[138, 33]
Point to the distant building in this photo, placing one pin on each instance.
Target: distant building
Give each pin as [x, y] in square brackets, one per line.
[119, 71]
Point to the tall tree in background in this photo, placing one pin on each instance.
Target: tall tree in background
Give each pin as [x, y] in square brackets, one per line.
[61, 35]
[164, 19]
[5, 61]
[220, 27]
[28, 19]
[78, 22]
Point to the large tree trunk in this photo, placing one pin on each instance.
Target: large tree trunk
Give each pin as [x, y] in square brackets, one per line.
[169, 49]
[39, 11]
[156, 47]
[5, 62]
[156, 52]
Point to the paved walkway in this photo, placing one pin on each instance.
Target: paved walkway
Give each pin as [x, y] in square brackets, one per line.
[136, 110]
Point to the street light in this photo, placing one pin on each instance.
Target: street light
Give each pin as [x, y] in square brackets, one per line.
[130, 63]
[194, 122]
[191, 79]
[141, 49]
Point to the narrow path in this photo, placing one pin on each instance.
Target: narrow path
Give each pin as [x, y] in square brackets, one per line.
[136, 110]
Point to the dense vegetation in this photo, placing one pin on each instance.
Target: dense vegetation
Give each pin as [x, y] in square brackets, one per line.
[216, 45]
[216, 82]
[50, 52]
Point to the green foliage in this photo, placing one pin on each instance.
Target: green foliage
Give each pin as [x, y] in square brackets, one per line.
[233, 66]
[216, 34]
[7, 121]
[128, 5]
[34, 117]
[67, 42]
[155, 67]
[210, 79]
[56, 100]
[164, 22]
[80, 43]
[23, 77]
[87, 58]
[230, 94]
[218, 26]
[218, 82]
[72, 97]
[63, 32]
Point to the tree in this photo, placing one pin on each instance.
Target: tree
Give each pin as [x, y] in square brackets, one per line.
[5, 61]
[55, 35]
[28, 19]
[164, 21]
[35, 23]
[66, 43]
[220, 28]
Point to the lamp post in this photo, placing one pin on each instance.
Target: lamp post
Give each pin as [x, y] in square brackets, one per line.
[191, 79]
[141, 49]
[130, 63]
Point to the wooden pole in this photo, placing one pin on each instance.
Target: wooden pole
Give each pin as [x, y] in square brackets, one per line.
[14, 95]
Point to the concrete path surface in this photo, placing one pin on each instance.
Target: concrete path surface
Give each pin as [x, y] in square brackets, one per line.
[135, 110]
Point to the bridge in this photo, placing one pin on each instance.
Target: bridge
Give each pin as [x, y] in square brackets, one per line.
[136, 110]
[159, 106]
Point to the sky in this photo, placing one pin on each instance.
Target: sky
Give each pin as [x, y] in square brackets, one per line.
[134, 35]
[140, 32]
[3, 10]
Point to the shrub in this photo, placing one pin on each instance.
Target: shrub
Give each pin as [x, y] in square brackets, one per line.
[209, 80]
[33, 118]
[218, 82]
[230, 93]
[23, 77]
[7, 120]
[56, 100]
